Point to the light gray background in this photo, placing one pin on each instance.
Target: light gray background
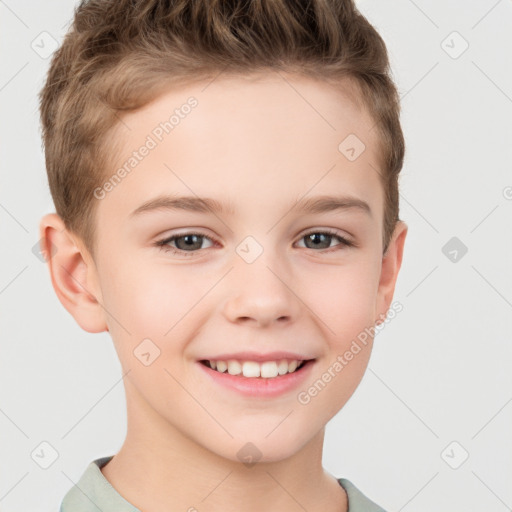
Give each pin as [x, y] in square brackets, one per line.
[440, 371]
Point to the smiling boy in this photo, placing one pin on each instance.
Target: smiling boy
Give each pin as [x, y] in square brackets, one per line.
[225, 177]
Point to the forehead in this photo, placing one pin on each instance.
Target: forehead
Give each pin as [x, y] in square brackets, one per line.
[247, 138]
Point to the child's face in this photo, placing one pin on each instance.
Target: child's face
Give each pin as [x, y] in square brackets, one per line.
[252, 280]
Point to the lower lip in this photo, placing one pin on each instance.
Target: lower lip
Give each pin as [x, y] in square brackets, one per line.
[258, 386]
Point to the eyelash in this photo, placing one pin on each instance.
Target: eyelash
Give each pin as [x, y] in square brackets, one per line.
[163, 244]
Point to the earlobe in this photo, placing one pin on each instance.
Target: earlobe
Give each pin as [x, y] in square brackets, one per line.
[72, 274]
[391, 263]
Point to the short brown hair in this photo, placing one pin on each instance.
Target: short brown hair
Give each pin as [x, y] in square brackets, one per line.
[121, 54]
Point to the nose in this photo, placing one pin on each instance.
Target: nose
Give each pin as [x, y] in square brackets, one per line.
[260, 293]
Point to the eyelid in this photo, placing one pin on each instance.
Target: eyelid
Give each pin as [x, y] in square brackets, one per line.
[163, 242]
[345, 242]
[330, 231]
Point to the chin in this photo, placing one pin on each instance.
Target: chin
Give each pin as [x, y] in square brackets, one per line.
[249, 450]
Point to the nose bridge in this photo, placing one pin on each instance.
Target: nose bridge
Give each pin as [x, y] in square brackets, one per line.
[259, 285]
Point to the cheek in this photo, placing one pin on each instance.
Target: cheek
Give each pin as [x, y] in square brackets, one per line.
[342, 299]
[158, 303]
[147, 297]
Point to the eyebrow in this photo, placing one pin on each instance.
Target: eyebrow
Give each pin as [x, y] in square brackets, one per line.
[319, 204]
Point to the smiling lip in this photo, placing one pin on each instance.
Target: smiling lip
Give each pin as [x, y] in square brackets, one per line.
[257, 357]
[259, 387]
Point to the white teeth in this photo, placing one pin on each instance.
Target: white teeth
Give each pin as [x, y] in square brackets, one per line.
[251, 369]
[234, 367]
[221, 366]
[282, 367]
[267, 369]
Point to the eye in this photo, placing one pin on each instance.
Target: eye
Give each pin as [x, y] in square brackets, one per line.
[185, 242]
[188, 243]
[322, 239]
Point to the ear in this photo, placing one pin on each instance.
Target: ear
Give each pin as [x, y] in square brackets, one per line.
[73, 273]
[391, 262]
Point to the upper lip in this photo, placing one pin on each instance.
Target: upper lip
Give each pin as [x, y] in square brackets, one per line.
[255, 356]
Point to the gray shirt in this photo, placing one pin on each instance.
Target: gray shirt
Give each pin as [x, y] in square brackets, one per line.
[93, 492]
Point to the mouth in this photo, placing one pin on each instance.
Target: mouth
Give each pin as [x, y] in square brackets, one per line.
[255, 370]
[260, 380]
